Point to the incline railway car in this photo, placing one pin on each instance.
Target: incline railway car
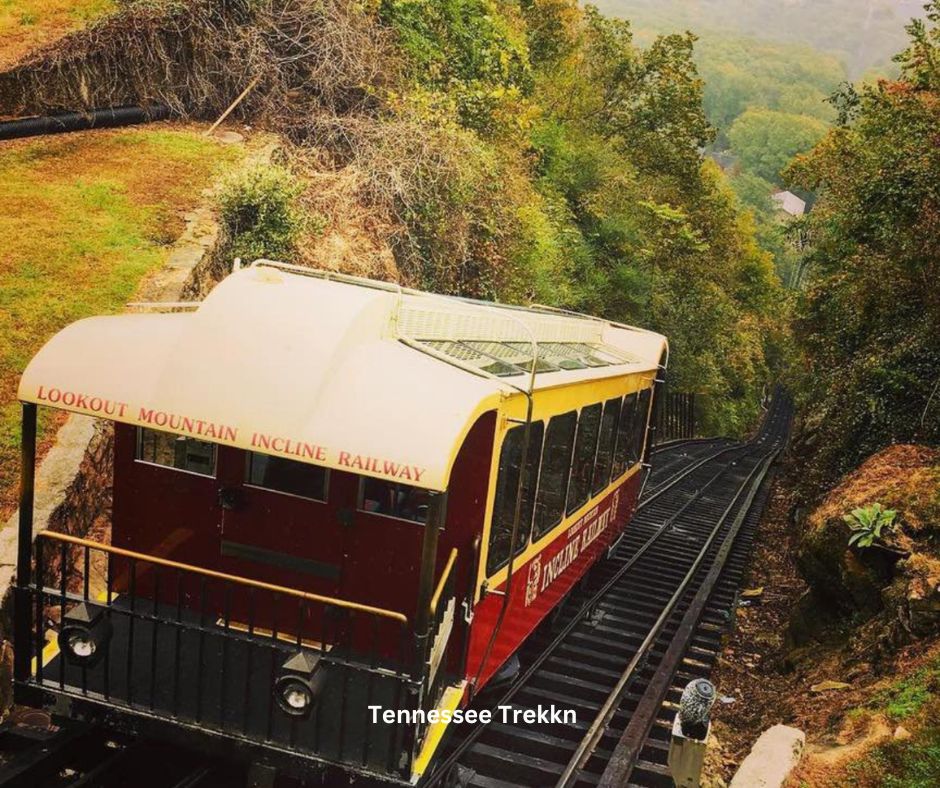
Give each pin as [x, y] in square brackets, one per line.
[331, 498]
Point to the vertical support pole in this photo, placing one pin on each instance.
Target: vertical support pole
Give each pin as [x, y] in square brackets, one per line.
[22, 611]
[428, 564]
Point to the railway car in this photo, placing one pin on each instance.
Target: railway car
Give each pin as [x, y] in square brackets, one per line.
[332, 499]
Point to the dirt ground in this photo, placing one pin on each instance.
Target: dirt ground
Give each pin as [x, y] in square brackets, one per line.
[763, 680]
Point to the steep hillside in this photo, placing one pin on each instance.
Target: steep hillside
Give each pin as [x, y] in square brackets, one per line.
[527, 151]
[843, 640]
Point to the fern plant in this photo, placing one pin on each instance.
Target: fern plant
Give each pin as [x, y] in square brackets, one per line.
[868, 524]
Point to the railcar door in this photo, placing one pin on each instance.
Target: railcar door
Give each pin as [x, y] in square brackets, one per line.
[165, 495]
[280, 523]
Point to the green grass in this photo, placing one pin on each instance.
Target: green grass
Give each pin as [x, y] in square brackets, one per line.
[82, 219]
[909, 695]
[913, 762]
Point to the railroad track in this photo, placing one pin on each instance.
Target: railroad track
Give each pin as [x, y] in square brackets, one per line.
[36, 752]
[651, 620]
[610, 654]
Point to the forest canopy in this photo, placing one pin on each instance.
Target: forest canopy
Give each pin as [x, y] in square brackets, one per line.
[869, 322]
[863, 34]
[525, 151]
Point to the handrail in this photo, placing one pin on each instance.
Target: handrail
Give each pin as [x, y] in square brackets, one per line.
[436, 598]
[245, 581]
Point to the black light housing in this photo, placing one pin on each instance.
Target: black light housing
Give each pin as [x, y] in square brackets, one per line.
[299, 684]
[85, 632]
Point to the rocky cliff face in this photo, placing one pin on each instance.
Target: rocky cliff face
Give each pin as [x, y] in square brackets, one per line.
[891, 589]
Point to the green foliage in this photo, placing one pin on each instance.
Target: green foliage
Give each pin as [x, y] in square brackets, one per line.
[466, 51]
[743, 73]
[594, 197]
[868, 524]
[869, 322]
[260, 213]
[861, 34]
[912, 693]
[915, 762]
[766, 141]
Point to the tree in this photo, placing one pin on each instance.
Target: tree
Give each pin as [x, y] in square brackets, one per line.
[766, 141]
[869, 324]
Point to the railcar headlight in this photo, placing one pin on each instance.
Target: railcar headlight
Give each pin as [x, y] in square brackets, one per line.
[299, 684]
[85, 632]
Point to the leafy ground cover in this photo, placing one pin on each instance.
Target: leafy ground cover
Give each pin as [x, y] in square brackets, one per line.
[82, 219]
[27, 24]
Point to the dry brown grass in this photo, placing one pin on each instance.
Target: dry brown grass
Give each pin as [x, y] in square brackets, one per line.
[28, 24]
[197, 56]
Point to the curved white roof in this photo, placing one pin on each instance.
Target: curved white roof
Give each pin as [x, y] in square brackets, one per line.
[325, 372]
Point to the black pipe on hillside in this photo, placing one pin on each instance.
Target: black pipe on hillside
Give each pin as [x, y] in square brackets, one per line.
[108, 118]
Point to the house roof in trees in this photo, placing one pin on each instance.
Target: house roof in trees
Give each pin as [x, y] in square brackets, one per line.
[790, 203]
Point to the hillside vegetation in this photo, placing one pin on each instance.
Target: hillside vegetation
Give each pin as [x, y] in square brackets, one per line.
[863, 34]
[769, 68]
[869, 322]
[846, 644]
[527, 151]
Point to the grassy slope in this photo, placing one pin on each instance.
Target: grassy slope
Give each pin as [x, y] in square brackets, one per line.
[27, 24]
[82, 219]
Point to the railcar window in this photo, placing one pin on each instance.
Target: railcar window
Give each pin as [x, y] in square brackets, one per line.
[605, 445]
[287, 476]
[623, 452]
[507, 484]
[393, 500]
[176, 451]
[553, 479]
[642, 417]
[585, 451]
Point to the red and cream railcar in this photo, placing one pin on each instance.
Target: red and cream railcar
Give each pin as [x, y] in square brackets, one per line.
[329, 494]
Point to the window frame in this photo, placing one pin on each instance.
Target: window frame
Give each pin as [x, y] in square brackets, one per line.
[628, 461]
[360, 499]
[247, 483]
[138, 442]
[643, 417]
[538, 533]
[571, 506]
[609, 476]
[527, 530]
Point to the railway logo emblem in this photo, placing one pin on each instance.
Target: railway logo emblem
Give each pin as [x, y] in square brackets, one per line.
[614, 504]
[532, 584]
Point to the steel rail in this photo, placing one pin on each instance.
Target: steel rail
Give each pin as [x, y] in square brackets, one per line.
[673, 480]
[747, 448]
[631, 742]
[601, 721]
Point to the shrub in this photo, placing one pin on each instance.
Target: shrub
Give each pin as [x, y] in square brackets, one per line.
[261, 216]
[868, 524]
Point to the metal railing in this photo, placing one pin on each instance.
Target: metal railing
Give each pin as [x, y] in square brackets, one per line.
[676, 416]
[441, 623]
[207, 649]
